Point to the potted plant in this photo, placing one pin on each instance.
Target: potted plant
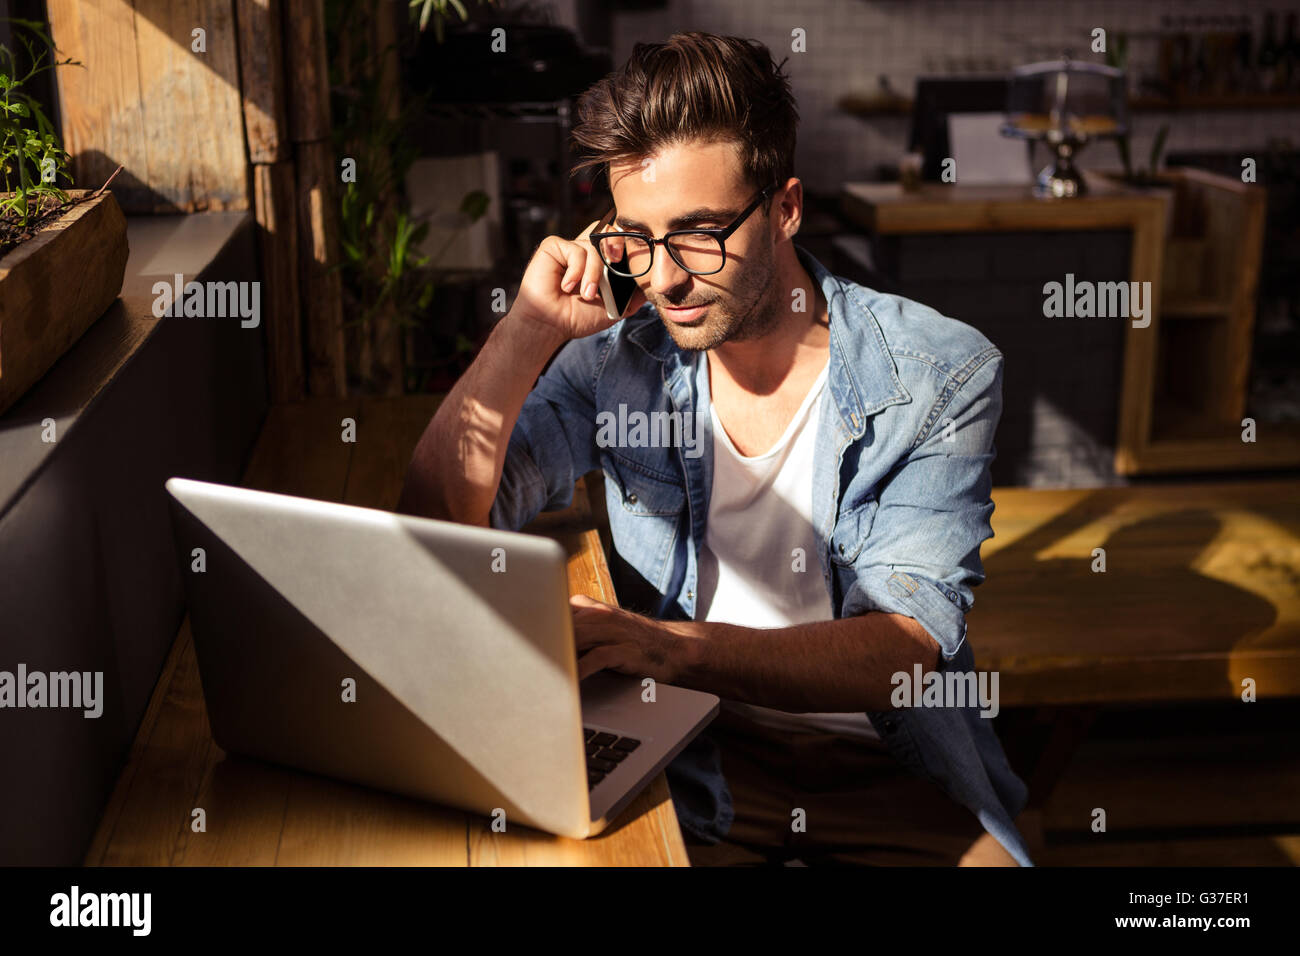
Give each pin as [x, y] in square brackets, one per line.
[1146, 179]
[388, 280]
[62, 251]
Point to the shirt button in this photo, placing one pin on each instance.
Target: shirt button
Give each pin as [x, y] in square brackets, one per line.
[841, 547]
[690, 595]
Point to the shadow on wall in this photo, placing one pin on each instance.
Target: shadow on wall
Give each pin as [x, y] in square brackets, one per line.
[92, 169]
[155, 98]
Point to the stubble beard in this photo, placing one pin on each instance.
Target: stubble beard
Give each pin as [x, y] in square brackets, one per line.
[738, 322]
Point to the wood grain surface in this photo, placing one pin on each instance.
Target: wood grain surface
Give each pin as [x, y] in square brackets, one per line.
[1201, 591]
[276, 211]
[261, 69]
[54, 286]
[320, 287]
[259, 814]
[146, 99]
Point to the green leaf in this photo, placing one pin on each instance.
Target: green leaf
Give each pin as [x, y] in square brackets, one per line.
[1158, 146]
[1122, 145]
[475, 204]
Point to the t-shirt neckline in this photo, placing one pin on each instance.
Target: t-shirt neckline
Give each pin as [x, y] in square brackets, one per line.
[795, 423]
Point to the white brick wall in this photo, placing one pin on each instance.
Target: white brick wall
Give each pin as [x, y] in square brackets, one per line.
[851, 42]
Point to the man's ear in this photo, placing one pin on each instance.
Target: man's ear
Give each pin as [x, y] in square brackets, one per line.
[790, 195]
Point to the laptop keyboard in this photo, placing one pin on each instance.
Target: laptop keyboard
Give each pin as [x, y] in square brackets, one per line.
[605, 751]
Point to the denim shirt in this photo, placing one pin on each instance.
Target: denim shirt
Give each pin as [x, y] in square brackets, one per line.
[901, 501]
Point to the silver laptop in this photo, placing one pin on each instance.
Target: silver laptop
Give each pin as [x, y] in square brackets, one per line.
[423, 657]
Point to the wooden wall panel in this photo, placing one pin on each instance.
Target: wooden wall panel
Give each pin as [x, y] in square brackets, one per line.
[147, 100]
[307, 72]
[277, 237]
[320, 287]
[261, 66]
[102, 116]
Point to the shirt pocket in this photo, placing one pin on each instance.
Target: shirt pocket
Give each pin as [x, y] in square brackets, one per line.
[640, 492]
[645, 515]
[852, 530]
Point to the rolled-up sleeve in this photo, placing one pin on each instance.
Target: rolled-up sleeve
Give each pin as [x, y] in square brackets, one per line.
[921, 556]
[553, 442]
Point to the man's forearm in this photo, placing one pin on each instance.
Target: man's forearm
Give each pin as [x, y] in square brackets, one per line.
[457, 463]
[827, 666]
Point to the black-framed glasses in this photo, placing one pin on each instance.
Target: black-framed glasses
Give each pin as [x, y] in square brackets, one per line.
[701, 252]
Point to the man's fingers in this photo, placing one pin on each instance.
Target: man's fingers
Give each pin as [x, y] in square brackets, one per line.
[582, 268]
[584, 638]
[575, 261]
[591, 275]
[597, 659]
[587, 633]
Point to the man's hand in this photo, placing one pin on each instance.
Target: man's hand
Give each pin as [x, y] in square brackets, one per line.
[456, 469]
[560, 290]
[610, 638]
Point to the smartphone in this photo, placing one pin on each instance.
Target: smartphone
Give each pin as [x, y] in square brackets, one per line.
[616, 290]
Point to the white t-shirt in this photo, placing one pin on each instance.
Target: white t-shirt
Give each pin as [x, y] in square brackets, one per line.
[758, 536]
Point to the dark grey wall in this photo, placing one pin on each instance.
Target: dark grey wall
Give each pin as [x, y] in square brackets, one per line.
[1061, 382]
[89, 580]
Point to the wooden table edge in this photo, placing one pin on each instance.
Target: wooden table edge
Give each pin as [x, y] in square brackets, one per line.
[589, 552]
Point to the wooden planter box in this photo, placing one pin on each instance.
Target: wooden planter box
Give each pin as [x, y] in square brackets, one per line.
[54, 286]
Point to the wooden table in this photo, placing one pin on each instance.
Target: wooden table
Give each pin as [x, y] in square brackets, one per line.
[258, 814]
[1201, 590]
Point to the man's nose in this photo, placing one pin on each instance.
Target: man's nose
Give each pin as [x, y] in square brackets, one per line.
[666, 276]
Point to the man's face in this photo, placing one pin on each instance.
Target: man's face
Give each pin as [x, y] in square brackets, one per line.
[670, 190]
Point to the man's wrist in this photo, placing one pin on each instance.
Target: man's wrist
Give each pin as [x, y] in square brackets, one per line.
[689, 640]
[531, 336]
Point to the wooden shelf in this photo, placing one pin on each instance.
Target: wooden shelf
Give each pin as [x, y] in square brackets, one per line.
[1187, 308]
[1195, 370]
[1280, 448]
[857, 104]
[889, 209]
[1215, 101]
[159, 247]
[1172, 421]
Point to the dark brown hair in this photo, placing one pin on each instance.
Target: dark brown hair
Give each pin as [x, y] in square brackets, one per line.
[695, 86]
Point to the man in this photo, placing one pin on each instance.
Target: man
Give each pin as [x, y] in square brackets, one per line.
[838, 429]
